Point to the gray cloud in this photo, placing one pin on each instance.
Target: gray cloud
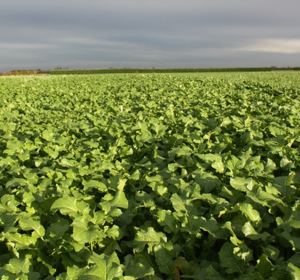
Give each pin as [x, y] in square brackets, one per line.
[135, 33]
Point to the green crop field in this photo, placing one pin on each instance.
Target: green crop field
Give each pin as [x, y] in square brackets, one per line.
[150, 176]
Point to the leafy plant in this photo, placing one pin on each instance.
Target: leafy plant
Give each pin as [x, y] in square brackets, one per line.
[196, 177]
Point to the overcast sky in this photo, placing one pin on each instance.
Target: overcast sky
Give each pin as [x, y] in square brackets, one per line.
[157, 33]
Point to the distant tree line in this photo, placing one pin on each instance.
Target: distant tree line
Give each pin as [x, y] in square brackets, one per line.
[24, 72]
[66, 71]
[167, 70]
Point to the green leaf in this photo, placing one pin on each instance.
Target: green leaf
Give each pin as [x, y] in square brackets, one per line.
[65, 162]
[283, 185]
[241, 184]
[93, 184]
[251, 233]
[294, 271]
[105, 268]
[295, 241]
[48, 135]
[229, 261]
[271, 252]
[119, 200]
[182, 151]
[178, 204]
[187, 267]
[87, 273]
[110, 246]
[147, 236]
[252, 214]
[219, 166]
[52, 153]
[164, 260]
[234, 165]
[58, 229]
[69, 206]
[166, 219]
[13, 146]
[264, 266]
[82, 232]
[194, 224]
[139, 267]
[16, 182]
[210, 157]
[285, 163]
[46, 262]
[270, 166]
[17, 266]
[31, 224]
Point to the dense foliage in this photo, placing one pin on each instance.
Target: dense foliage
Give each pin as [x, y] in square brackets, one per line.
[149, 176]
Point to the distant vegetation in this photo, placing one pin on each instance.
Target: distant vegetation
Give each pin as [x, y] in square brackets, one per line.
[163, 70]
[62, 71]
[25, 72]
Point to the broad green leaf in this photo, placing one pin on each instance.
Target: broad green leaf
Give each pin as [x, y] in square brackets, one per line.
[69, 206]
[13, 146]
[264, 266]
[194, 224]
[58, 229]
[147, 236]
[293, 240]
[234, 165]
[294, 271]
[270, 166]
[212, 274]
[207, 181]
[52, 153]
[93, 184]
[105, 268]
[119, 200]
[211, 157]
[234, 239]
[166, 219]
[283, 185]
[164, 260]
[271, 251]
[156, 178]
[44, 259]
[258, 195]
[178, 204]
[17, 266]
[219, 166]
[82, 232]
[248, 210]
[229, 261]
[48, 135]
[65, 162]
[293, 219]
[182, 151]
[251, 233]
[139, 267]
[121, 184]
[135, 175]
[24, 156]
[31, 224]
[285, 163]
[186, 267]
[241, 184]
[23, 241]
[16, 182]
[110, 246]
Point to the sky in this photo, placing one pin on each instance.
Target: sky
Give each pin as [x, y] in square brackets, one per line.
[95, 34]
